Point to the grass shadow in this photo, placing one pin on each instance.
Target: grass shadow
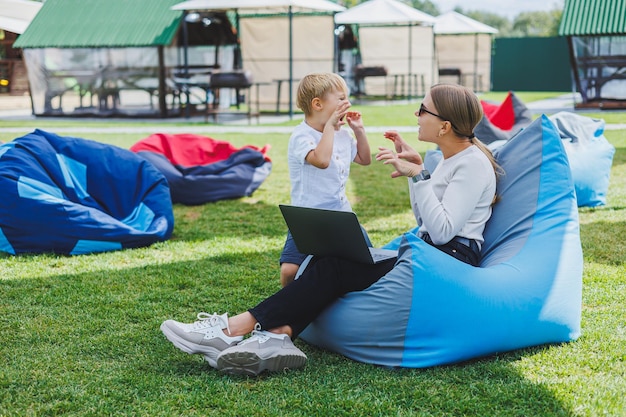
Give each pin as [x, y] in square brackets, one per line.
[231, 218]
[94, 346]
[612, 249]
[487, 386]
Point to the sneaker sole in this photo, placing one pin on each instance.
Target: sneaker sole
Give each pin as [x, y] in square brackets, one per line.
[210, 353]
[250, 364]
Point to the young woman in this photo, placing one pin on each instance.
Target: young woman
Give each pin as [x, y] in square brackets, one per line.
[451, 207]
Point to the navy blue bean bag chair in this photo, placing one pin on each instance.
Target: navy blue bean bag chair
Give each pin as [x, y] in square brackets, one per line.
[201, 170]
[432, 309]
[74, 196]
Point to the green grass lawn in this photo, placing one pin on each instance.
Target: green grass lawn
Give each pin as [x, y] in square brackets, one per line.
[80, 335]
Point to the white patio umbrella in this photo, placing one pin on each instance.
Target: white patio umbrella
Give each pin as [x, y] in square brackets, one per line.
[265, 6]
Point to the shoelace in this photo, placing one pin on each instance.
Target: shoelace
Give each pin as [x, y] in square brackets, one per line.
[257, 333]
[210, 320]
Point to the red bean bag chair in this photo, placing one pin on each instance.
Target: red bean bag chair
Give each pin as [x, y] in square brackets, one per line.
[501, 121]
[200, 169]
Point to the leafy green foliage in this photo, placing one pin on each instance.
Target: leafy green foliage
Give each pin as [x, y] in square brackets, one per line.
[537, 23]
[531, 23]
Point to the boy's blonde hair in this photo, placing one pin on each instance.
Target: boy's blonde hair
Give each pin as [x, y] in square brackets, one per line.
[316, 85]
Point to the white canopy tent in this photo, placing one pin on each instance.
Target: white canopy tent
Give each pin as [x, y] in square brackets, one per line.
[464, 44]
[16, 15]
[281, 40]
[395, 36]
[261, 6]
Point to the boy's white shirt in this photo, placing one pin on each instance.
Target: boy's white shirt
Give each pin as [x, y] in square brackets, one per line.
[315, 187]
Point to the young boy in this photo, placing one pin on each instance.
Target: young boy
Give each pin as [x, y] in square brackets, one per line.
[320, 153]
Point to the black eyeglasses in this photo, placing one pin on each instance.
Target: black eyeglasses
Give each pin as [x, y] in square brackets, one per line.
[423, 109]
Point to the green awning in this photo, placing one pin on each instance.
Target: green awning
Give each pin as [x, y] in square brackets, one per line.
[593, 17]
[102, 24]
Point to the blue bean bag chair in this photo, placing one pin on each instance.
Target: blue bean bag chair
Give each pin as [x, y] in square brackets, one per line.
[590, 156]
[200, 169]
[432, 309]
[74, 196]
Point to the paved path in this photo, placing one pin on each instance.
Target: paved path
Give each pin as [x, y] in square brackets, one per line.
[18, 108]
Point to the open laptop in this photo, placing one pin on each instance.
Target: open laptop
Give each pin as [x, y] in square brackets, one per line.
[331, 233]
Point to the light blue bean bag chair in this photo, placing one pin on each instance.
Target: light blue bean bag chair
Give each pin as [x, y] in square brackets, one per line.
[432, 309]
[590, 156]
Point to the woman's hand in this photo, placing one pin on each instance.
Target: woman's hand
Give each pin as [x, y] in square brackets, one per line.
[403, 168]
[404, 150]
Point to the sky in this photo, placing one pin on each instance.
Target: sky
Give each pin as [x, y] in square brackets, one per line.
[508, 8]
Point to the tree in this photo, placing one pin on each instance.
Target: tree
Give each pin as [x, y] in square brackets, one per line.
[490, 19]
[425, 6]
[557, 15]
[537, 23]
[347, 3]
[524, 24]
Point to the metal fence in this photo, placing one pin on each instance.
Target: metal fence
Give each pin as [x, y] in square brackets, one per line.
[531, 64]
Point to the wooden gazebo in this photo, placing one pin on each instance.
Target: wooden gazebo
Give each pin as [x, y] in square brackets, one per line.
[596, 34]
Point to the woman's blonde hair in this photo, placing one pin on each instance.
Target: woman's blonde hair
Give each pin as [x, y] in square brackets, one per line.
[316, 85]
[460, 106]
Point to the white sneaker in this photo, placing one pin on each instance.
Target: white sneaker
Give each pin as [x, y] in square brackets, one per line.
[204, 336]
[262, 351]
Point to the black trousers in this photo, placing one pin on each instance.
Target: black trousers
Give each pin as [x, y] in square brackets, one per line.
[467, 252]
[325, 280]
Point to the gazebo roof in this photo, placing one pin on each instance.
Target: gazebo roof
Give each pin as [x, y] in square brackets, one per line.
[453, 23]
[97, 23]
[16, 15]
[260, 7]
[593, 17]
[375, 12]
